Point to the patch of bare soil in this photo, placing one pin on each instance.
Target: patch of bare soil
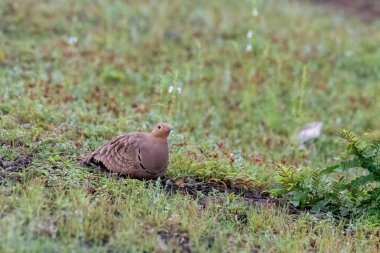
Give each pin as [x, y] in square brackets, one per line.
[366, 10]
[197, 188]
[181, 238]
[9, 168]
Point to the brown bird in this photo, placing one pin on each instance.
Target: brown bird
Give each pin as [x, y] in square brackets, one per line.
[138, 155]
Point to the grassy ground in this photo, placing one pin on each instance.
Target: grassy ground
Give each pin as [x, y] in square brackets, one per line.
[75, 73]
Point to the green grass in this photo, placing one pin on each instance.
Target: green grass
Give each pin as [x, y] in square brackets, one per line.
[59, 100]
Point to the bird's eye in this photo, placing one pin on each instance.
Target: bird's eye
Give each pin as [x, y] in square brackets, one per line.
[159, 127]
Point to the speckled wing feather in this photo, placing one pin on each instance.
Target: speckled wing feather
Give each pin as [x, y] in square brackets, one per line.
[118, 154]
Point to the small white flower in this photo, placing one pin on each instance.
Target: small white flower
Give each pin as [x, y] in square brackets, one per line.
[170, 89]
[179, 89]
[255, 12]
[249, 34]
[248, 48]
[72, 40]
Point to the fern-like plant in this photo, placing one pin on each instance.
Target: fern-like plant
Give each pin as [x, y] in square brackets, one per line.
[310, 189]
[330, 189]
[359, 154]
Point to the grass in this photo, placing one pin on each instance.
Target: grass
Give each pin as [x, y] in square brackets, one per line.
[75, 73]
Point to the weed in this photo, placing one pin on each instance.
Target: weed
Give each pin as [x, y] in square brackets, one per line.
[319, 190]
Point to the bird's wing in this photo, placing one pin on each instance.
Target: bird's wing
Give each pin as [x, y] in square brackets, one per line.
[117, 154]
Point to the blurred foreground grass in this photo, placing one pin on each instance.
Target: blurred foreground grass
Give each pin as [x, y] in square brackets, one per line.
[236, 86]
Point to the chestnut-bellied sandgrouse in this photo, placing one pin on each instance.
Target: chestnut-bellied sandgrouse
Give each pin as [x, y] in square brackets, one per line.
[138, 155]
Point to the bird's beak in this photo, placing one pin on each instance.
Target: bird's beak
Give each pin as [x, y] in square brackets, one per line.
[170, 129]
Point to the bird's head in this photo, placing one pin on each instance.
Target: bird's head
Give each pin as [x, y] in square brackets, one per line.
[161, 130]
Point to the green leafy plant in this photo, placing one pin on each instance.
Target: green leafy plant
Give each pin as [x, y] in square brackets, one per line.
[311, 189]
[359, 154]
[332, 190]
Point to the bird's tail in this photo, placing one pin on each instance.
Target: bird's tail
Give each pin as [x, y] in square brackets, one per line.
[86, 160]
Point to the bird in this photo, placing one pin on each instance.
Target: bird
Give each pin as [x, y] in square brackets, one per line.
[139, 155]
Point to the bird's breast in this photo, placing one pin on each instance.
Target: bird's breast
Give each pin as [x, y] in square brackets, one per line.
[155, 156]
